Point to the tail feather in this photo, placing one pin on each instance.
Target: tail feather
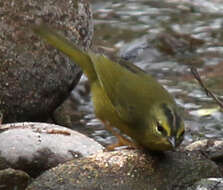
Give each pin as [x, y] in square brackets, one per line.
[80, 57]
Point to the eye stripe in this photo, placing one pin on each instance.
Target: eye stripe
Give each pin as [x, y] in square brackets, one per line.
[173, 120]
[170, 117]
[162, 129]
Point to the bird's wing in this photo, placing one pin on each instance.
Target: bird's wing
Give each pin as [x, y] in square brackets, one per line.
[129, 89]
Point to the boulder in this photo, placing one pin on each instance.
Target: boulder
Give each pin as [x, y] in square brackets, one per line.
[128, 170]
[34, 77]
[36, 147]
[11, 179]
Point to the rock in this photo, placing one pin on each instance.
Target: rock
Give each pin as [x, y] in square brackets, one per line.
[11, 179]
[211, 148]
[36, 147]
[34, 77]
[130, 170]
[173, 43]
[3, 163]
[208, 184]
[155, 48]
[1, 117]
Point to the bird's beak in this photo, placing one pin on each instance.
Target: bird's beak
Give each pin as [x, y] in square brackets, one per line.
[172, 141]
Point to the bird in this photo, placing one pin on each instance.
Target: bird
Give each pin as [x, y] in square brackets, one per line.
[124, 96]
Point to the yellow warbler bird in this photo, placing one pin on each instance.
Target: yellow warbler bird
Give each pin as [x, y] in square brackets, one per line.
[125, 97]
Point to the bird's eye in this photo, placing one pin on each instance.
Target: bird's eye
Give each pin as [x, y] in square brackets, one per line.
[160, 128]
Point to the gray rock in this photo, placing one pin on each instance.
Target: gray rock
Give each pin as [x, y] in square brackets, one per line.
[208, 184]
[211, 148]
[36, 147]
[11, 179]
[128, 170]
[34, 77]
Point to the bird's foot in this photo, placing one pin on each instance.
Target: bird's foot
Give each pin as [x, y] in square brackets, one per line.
[121, 142]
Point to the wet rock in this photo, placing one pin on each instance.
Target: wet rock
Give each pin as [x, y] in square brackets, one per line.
[1, 117]
[168, 45]
[67, 114]
[208, 184]
[11, 179]
[140, 49]
[35, 147]
[128, 169]
[34, 77]
[173, 43]
[3, 163]
[211, 148]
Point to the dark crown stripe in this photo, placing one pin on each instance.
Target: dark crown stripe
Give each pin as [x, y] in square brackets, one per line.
[173, 119]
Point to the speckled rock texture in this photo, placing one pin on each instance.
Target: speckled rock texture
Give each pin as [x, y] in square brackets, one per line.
[128, 170]
[211, 148]
[35, 147]
[11, 179]
[34, 77]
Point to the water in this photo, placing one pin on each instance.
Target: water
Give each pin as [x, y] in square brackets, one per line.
[165, 38]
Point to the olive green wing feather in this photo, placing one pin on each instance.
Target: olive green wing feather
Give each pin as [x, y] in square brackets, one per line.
[131, 91]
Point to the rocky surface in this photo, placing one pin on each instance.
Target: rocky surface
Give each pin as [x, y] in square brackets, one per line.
[34, 77]
[208, 184]
[11, 179]
[128, 169]
[36, 147]
[211, 148]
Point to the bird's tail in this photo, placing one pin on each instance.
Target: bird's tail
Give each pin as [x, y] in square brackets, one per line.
[58, 41]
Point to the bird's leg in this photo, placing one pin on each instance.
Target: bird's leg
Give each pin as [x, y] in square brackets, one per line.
[122, 141]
